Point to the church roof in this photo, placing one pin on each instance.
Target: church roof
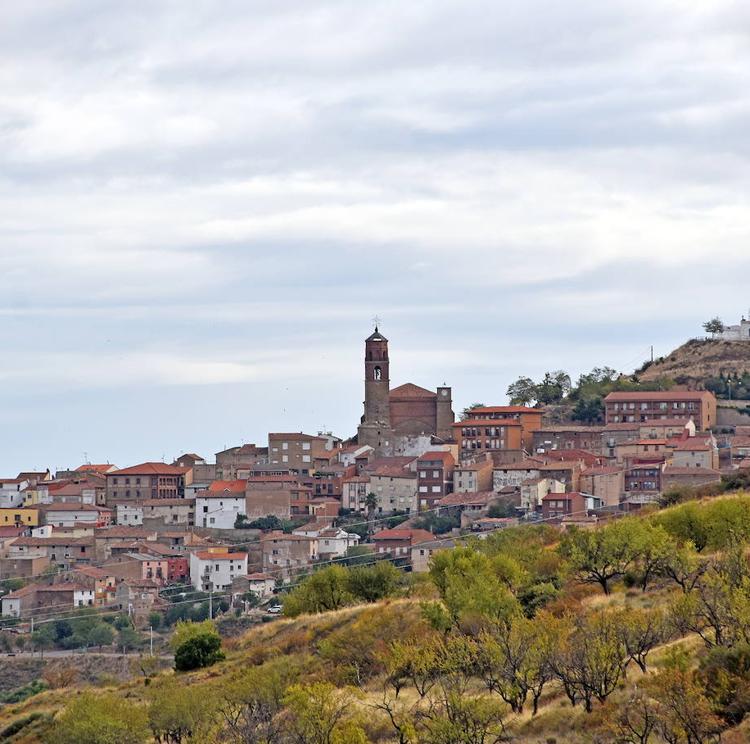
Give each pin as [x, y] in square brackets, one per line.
[376, 336]
[409, 390]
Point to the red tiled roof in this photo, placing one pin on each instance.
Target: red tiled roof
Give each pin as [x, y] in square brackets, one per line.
[101, 468]
[228, 486]
[414, 536]
[690, 471]
[392, 471]
[436, 455]
[694, 445]
[207, 555]
[664, 395]
[259, 577]
[505, 409]
[150, 468]
[409, 390]
[467, 499]
[122, 531]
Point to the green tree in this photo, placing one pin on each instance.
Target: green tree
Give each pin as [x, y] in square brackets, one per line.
[179, 713]
[714, 326]
[101, 635]
[319, 713]
[588, 410]
[129, 639]
[372, 583]
[44, 637]
[249, 702]
[326, 589]
[599, 556]
[522, 392]
[514, 659]
[196, 645]
[590, 660]
[100, 718]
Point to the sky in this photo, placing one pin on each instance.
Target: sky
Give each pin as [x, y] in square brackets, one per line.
[203, 205]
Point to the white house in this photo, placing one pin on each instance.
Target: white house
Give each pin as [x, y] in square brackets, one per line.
[83, 597]
[220, 506]
[740, 332]
[11, 492]
[215, 569]
[129, 513]
[261, 584]
[335, 541]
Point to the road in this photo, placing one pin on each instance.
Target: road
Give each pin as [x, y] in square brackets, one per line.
[61, 654]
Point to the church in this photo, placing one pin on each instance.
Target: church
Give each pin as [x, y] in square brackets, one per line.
[405, 420]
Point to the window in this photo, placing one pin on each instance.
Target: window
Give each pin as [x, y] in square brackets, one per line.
[305, 445]
[422, 473]
[435, 473]
[436, 489]
[423, 489]
[285, 445]
[305, 458]
[285, 458]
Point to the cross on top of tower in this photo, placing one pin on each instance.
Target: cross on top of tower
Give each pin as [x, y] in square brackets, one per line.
[376, 322]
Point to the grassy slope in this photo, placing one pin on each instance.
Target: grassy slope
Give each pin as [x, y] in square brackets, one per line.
[701, 359]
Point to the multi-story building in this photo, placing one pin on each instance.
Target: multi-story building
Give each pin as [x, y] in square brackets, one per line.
[215, 569]
[397, 543]
[473, 477]
[395, 488]
[642, 407]
[354, 492]
[643, 483]
[285, 555]
[150, 480]
[476, 436]
[298, 451]
[236, 462]
[434, 477]
[567, 437]
[221, 504]
[534, 490]
[530, 420]
[74, 515]
[696, 452]
[606, 482]
[514, 474]
[19, 517]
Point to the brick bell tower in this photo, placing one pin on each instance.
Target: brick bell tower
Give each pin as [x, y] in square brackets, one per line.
[375, 427]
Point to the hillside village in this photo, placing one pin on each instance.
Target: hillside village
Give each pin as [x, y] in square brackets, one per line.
[415, 476]
[112, 560]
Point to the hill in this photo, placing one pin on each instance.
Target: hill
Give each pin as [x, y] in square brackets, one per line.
[698, 361]
[527, 636]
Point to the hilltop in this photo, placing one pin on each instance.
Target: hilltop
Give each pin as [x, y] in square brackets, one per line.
[698, 361]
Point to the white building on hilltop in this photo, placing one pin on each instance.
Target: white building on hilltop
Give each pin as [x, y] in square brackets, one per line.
[739, 332]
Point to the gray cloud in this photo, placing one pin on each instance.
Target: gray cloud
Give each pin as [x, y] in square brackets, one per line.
[203, 206]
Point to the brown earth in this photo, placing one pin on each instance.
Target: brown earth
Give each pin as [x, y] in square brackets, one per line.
[698, 360]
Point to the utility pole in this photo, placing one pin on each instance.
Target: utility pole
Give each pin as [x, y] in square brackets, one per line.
[211, 602]
[652, 353]
[151, 639]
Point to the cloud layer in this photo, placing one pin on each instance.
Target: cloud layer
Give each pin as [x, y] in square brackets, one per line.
[202, 206]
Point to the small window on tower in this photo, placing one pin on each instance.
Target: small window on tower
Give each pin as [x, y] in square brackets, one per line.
[378, 373]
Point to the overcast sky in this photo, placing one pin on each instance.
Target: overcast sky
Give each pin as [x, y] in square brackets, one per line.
[203, 204]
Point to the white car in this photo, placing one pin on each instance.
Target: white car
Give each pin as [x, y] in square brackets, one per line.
[275, 610]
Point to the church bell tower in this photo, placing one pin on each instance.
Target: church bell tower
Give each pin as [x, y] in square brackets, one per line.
[376, 422]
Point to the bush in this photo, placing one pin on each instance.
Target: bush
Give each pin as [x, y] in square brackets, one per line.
[196, 645]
